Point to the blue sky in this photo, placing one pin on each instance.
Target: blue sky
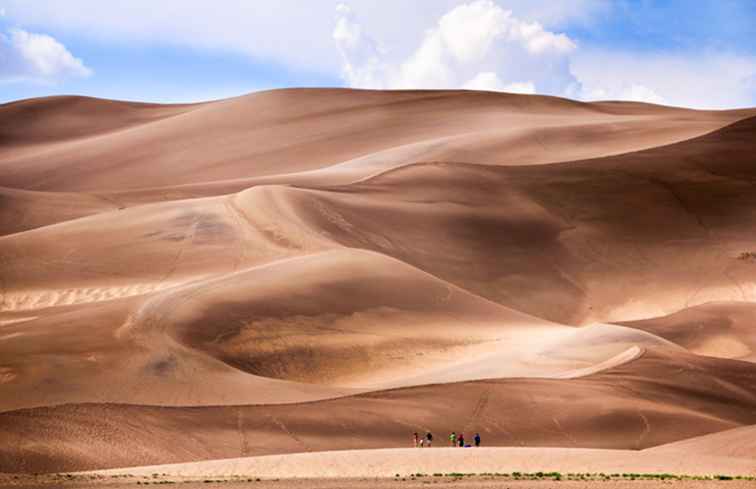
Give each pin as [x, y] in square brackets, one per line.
[692, 53]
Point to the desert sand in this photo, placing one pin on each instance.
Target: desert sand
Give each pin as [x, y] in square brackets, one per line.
[389, 462]
[294, 281]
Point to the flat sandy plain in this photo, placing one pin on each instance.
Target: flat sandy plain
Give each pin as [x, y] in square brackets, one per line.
[292, 282]
[409, 482]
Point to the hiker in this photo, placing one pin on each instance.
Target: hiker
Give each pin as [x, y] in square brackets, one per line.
[477, 439]
[429, 438]
[417, 440]
[461, 440]
[453, 439]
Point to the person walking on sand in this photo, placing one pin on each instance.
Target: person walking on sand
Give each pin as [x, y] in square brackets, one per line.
[477, 439]
[453, 439]
[429, 439]
[461, 440]
[416, 439]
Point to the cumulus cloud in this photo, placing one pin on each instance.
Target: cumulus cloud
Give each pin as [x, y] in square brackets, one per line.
[633, 92]
[293, 33]
[29, 56]
[520, 87]
[476, 45]
[489, 81]
[355, 44]
[479, 45]
[706, 80]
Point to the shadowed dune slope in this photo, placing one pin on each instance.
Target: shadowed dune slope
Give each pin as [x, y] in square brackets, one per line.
[22, 210]
[88, 353]
[656, 399]
[33, 122]
[719, 329]
[623, 237]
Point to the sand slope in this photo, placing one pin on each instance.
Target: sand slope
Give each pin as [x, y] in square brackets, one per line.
[718, 329]
[656, 399]
[735, 443]
[319, 269]
[285, 131]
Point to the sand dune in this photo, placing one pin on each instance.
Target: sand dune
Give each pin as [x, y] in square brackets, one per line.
[29, 123]
[658, 398]
[22, 210]
[285, 131]
[192, 344]
[735, 443]
[719, 329]
[322, 269]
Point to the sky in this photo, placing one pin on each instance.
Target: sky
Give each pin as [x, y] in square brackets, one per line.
[692, 53]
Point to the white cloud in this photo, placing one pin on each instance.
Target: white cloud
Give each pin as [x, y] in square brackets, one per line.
[294, 33]
[641, 93]
[475, 45]
[488, 81]
[707, 80]
[353, 43]
[479, 45]
[30, 56]
[520, 87]
[633, 92]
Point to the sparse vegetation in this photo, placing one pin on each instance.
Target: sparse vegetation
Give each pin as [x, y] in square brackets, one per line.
[748, 256]
[585, 476]
[598, 477]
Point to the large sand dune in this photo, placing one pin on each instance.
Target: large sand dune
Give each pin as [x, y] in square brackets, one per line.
[320, 269]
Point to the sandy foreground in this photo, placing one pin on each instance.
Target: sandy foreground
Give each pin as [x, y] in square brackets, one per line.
[406, 461]
[468, 482]
[463, 468]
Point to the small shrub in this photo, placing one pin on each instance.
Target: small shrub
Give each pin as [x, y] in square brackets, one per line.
[747, 256]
